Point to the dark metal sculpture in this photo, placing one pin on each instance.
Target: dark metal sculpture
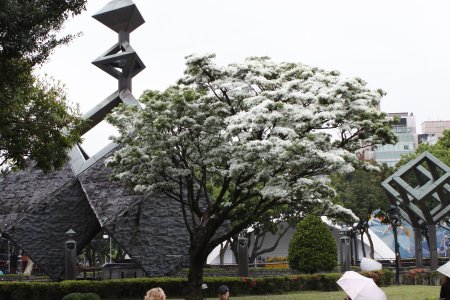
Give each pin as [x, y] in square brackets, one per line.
[394, 219]
[37, 209]
[421, 190]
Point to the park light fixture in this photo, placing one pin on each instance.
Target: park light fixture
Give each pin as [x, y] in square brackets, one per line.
[106, 236]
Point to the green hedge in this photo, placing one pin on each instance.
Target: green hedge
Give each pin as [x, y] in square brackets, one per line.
[422, 277]
[81, 296]
[177, 287]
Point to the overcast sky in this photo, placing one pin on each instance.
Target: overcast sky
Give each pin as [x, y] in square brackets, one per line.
[400, 46]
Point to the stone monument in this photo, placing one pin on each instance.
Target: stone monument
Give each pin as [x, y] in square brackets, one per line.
[37, 209]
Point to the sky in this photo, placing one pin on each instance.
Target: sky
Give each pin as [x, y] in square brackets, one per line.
[401, 46]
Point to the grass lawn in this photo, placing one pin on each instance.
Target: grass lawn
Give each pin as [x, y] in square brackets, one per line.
[404, 292]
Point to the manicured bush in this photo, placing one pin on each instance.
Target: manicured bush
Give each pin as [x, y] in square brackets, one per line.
[73, 296]
[90, 296]
[81, 296]
[421, 276]
[312, 248]
[381, 278]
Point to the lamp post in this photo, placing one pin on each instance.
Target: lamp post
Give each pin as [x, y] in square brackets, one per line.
[344, 249]
[9, 259]
[106, 236]
[394, 219]
[243, 256]
[19, 264]
[70, 256]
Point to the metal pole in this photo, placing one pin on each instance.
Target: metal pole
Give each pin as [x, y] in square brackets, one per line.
[344, 252]
[418, 246]
[433, 248]
[70, 256]
[397, 256]
[243, 256]
[110, 249]
[19, 264]
[9, 259]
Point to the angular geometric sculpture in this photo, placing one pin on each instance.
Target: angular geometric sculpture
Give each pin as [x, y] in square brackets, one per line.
[421, 190]
[153, 234]
[37, 209]
[120, 56]
[120, 15]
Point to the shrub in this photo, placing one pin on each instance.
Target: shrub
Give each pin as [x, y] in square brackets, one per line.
[91, 296]
[81, 296]
[73, 296]
[136, 288]
[312, 248]
[276, 259]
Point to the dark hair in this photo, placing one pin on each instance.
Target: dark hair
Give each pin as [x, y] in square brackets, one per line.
[223, 289]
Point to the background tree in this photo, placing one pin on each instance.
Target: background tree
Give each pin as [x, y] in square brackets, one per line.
[231, 143]
[272, 223]
[279, 220]
[441, 150]
[361, 191]
[312, 247]
[35, 120]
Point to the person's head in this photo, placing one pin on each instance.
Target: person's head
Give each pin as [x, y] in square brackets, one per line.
[224, 292]
[155, 294]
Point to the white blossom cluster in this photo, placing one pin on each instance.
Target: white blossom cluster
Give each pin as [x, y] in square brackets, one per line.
[236, 141]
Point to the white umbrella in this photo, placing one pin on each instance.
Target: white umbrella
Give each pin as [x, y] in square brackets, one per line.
[445, 269]
[359, 287]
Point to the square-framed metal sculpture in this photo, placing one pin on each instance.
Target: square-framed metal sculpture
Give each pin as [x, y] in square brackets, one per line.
[421, 189]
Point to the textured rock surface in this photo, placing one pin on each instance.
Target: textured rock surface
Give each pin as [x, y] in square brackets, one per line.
[154, 235]
[42, 232]
[37, 209]
[108, 199]
[24, 190]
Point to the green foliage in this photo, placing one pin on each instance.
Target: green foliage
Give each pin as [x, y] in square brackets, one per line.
[441, 150]
[361, 190]
[35, 120]
[73, 296]
[28, 27]
[81, 296]
[174, 287]
[244, 142]
[312, 248]
[39, 125]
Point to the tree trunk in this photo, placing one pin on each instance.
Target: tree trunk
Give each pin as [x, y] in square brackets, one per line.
[372, 252]
[256, 251]
[362, 243]
[120, 254]
[197, 261]
[424, 230]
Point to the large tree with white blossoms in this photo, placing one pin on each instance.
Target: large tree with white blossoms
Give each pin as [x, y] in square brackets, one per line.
[238, 141]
